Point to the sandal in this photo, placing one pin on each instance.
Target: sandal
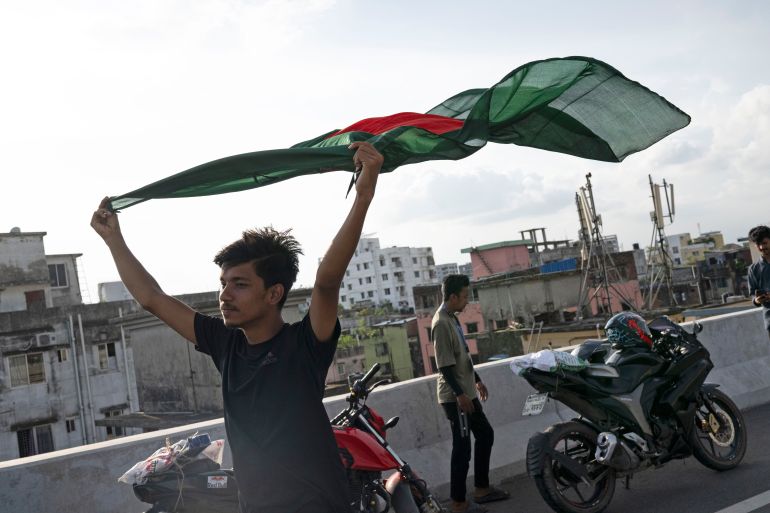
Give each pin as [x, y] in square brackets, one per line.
[472, 507]
[494, 494]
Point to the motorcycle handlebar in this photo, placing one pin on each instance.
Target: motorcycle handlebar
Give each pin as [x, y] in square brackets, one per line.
[370, 374]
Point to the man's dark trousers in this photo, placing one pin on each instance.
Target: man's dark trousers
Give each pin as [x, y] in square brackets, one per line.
[484, 436]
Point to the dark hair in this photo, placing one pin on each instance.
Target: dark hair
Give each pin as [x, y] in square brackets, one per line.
[275, 256]
[759, 233]
[454, 284]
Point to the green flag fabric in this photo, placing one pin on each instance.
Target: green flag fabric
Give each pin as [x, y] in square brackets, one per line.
[575, 105]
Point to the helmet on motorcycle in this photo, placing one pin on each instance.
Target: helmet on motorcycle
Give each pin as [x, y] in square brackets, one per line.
[628, 329]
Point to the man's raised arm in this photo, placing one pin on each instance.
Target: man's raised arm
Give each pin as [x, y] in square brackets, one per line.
[323, 302]
[137, 280]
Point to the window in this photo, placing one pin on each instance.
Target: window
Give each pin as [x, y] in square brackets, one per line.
[341, 369]
[414, 260]
[62, 354]
[70, 424]
[362, 295]
[366, 265]
[35, 300]
[381, 349]
[387, 292]
[35, 440]
[350, 287]
[675, 250]
[382, 262]
[368, 279]
[26, 369]
[472, 327]
[113, 431]
[358, 267]
[370, 293]
[347, 273]
[342, 285]
[58, 275]
[343, 298]
[417, 274]
[501, 324]
[384, 276]
[360, 281]
[107, 359]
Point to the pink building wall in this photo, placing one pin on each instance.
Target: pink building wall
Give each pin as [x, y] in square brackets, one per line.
[499, 260]
[471, 313]
[629, 289]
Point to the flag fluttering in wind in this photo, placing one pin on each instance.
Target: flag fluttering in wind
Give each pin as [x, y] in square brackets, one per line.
[575, 105]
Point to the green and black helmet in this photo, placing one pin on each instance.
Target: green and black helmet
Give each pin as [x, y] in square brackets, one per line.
[628, 329]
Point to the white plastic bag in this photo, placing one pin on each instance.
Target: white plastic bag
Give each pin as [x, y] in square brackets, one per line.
[547, 360]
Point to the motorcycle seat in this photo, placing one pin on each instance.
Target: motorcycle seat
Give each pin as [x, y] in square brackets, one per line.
[598, 370]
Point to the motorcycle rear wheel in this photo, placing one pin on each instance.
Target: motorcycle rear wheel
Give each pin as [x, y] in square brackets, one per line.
[562, 490]
[719, 441]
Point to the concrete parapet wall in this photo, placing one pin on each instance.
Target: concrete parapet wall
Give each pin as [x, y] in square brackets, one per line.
[84, 479]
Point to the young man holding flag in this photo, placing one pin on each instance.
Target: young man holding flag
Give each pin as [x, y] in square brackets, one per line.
[273, 373]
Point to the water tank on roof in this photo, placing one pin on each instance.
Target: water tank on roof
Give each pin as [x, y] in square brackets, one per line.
[16, 230]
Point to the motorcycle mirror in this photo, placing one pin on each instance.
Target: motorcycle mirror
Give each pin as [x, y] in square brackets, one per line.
[391, 423]
[697, 327]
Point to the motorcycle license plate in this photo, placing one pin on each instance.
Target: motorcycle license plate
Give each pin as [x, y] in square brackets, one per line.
[534, 404]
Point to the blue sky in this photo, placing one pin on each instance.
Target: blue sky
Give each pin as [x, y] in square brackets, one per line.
[99, 98]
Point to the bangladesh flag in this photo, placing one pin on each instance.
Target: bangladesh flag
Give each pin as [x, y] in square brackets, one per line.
[575, 105]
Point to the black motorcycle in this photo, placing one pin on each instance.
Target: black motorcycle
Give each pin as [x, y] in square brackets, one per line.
[639, 408]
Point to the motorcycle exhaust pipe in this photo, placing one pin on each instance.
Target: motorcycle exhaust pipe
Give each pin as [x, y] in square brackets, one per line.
[400, 494]
[606, 454]
[606, 443]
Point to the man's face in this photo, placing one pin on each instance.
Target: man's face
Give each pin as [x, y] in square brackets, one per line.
[242, 296]
[764, 248]
[457, 302]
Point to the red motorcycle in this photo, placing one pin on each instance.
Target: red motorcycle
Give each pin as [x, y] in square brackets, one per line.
[200, 486]
[360, 434]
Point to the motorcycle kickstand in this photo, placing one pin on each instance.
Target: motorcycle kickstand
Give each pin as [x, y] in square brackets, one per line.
[628, 482]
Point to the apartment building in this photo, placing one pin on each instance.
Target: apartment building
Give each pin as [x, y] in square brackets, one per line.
[377, 276]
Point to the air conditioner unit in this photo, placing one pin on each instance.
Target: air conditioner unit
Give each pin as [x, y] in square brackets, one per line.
[46, 339]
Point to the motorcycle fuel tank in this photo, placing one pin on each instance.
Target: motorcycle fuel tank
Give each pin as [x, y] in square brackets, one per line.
[360, 451]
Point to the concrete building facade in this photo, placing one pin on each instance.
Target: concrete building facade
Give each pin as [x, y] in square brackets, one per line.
[394, 347]
[30, 279]
[378, 275]
[63, 370]
[63, 367]
[443, 270]
[500, 257]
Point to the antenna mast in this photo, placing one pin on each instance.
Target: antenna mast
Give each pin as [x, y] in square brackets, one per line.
[600, 275]
[659, 263]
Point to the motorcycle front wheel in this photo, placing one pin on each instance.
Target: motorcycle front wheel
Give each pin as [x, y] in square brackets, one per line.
[718, 439]
[562, 489]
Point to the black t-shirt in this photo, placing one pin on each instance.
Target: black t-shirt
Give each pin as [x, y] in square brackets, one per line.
[284, 453]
